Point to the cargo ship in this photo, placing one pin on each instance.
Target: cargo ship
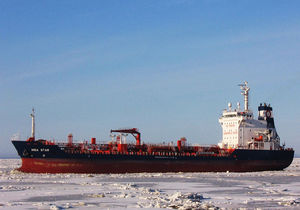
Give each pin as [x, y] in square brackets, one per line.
[247, 145]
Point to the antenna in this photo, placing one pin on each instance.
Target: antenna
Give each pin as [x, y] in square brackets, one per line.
[245, 92]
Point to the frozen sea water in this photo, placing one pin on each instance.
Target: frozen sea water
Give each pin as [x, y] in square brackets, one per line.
[256, 190]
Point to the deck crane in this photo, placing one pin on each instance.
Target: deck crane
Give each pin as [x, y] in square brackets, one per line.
[133, 131]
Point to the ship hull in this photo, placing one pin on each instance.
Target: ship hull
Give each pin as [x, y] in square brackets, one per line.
[51, 159]
[48, 165]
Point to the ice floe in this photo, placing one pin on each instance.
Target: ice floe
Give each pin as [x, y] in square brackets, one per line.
[257, 190]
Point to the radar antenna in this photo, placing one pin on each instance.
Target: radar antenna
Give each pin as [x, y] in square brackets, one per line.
[245, 92]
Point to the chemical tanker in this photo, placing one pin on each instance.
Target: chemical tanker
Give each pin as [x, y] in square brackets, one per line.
[248, 145]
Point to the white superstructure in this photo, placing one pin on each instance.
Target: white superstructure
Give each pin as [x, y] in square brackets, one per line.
[241, 130]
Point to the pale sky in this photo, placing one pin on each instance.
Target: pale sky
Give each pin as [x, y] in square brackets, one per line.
[168, 68]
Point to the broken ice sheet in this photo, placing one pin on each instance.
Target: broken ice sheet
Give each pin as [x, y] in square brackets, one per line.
[264, 190]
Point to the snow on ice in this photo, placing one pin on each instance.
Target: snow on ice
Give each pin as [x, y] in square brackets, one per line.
[261, 190]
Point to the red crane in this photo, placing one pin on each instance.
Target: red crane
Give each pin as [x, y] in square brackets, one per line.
[133, 131]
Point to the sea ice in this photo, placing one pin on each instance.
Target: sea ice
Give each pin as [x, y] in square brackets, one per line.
[261, 190]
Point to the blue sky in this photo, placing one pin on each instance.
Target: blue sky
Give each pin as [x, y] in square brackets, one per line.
[166, 67]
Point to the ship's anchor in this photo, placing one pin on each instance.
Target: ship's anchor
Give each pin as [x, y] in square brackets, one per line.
[25, 153]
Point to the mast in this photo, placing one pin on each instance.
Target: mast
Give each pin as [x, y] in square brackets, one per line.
[32, 115]
[245, 92]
